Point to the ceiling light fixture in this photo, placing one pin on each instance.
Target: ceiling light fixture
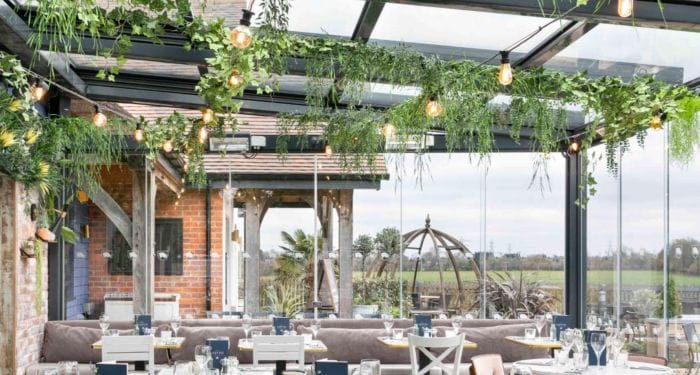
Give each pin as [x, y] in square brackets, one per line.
[241, 36]
[235, 79]
[39, 89]
[168, 145]
[505, 72]
[388, 130]
[99, 119]
[138, 133]
[433, 108]
[625, 8]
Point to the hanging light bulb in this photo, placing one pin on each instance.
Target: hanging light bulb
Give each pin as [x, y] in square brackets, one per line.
[388, 130]
[207, 115]
[235, 79]
[241, 37]
[505, 72]
[99, 119]
[625, 8]
[433, 108]
[328, 150]
[657, 121]
[203, 134]
[138, 133]
[168, 145]
[574, 147]
[39, 89]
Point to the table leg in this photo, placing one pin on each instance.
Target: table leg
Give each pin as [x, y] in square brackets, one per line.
[280, 367]
[139, 366]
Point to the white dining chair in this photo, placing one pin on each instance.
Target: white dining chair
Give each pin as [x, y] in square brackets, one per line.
[278, 348]
[129, 349]
[423, 344]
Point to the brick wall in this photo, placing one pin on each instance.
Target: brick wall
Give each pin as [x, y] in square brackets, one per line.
[191, 209]
[21, 331]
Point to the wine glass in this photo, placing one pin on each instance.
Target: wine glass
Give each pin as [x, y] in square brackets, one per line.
[315, 326]
[456, 323]
[247, 324]
[540, 321]
[598, 345]
[175, 325]
[520, 370]
[202, 355]
[567, 340]
[591, 321]
[104, 323]
[388, 322]
[617, 342]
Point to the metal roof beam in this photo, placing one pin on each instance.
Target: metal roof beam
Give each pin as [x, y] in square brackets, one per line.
[561, 39]
[676, 14]
[15, 34]
[367, 20]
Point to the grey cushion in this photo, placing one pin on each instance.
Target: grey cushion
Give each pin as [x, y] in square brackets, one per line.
[66, 343]
[354, 345]
[198, 335]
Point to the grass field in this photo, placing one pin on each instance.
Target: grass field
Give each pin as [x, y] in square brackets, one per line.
[557, 277]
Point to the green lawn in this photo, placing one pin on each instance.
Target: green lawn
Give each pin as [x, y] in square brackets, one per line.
[557, 277]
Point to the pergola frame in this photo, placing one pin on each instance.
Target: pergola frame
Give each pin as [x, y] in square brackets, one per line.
[178, 91]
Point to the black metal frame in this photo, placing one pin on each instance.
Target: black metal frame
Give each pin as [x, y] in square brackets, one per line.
[575, 250]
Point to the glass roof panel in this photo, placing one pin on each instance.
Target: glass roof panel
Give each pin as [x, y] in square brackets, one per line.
[477, 31]
[336, 17]
[92, 62]
[627, 50]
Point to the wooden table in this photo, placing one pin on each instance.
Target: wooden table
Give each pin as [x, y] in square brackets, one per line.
[158, 343]
[535, 343]
[313, 346]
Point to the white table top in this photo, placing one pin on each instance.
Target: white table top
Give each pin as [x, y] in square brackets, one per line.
[546, 367]
[313, 346]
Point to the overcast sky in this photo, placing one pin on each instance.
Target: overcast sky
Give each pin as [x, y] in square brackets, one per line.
[519, 218]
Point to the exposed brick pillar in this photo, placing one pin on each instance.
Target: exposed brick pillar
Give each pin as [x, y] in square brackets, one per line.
[345, 215]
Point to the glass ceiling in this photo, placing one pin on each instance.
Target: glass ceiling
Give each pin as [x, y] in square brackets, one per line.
[324, 17]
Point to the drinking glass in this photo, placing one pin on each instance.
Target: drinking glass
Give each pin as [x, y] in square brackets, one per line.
[255, 333]
[566, 338]
[598, 345]
[456, 323]
[202, 355]
[112, 332]
[104, 323]
[182, 368]
[315, 327]
[175, 325]
[68, 368]
[246, 325]
[520, 370]
[591, 321]
[540, 321]
[388, 322]
[212, 371]
[530, 333]
[621, 359]
[397, 333]
[468, 316]
[370, 367]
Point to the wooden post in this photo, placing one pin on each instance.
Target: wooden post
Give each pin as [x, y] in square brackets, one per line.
[8, 255]
[252, 249]
[231, 250]
[143, 240]
[345, 256]
[326, 218]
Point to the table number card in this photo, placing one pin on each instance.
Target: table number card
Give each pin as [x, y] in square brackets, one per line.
[331, 368]
[219, 350]
[280, 325]
[423, 322]
[561, 322]
[111, 368]
[142, 322]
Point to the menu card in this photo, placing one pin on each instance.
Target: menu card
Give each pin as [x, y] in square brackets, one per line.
[331, 368]
[423, 322]
[591, 353]
[561, 322]
[219, 350]
[111, 368]
[280, 325]
[142, 322]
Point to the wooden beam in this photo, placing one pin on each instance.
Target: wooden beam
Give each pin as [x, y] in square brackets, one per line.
[143, 194]
[168, 175]
[114, 212]
[252, 262]
[345, 215]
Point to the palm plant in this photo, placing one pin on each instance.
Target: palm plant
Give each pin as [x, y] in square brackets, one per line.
[296, 261]
[284, 299]
[511, 296]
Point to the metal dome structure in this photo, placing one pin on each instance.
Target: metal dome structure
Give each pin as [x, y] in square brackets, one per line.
[440, 241]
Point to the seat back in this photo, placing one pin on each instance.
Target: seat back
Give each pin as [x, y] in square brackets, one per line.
[487, 364]
[129, 349]
[450, 344]
[278, 348]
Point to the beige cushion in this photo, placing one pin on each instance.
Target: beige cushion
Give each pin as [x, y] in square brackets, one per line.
[354, 345]
[198, 335]
[66, 343]
[491, 340]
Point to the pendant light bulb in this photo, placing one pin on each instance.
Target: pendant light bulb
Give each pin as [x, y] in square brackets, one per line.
[657, 121]
[138, 133]
[99, 119]
[241, 36]
[574, 147]
[203, 134]
[388, 130]
[207, 115]
[505, 72]
[235, 79]
[433, 108]
[39, 89]
[328, 150]
[168, 145]
[625, 8]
